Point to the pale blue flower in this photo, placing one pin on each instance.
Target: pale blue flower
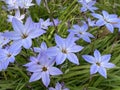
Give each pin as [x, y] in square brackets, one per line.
[25, 3]
[91, 23]
[42, 24]
[3, 40]
[23, 34]
[7, 56]
[109, 20]
[17, 16]
[59, 87]
[15, 4]
[88, 5]
[65, 49]
[43, 70]
[99, 63]
[11, 4]
[81, 32]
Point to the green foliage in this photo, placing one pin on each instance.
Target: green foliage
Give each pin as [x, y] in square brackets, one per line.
[75, 77]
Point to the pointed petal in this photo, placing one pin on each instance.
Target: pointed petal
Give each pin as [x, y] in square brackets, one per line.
[43, 46]
[108, 65]
[100, 22]
[35, 76]
[59, 41]
[86, 38]
[73, 58]
[35, 68]
[102, 72]
[27, 43]
[93, 69]
[28, 23]
[110, 27]
[105, 13]
[17, 25]
[97, 55]
[60, 58]
[37, 49]
[17, 44]
[54, 71]
[89, 58]
[12, 35]
[105, 58]
[97, 15]
[75, 48]
[45, 78]
[36, 33]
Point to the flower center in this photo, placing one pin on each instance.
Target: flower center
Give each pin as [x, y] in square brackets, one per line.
[9, 55]
[98, 63]
[80, 32]
[24, 36]
[64, 51]
[44, 69]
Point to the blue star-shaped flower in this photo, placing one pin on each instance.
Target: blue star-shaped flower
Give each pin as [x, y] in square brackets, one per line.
[80, 32]
[8, 56]
[23, 34]
[65, 49]
[88, 5]
[43, 70]
[99, 63]
[109, 20]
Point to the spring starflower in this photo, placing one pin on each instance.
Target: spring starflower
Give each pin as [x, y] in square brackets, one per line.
[43, 70]
[65, 49]
[23, 34]
[109, 20]
[99, 63]
[17, 16]
[8, 56]
[88, 5]
[81, 32]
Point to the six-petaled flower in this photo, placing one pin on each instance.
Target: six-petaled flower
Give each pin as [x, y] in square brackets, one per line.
[99, 63]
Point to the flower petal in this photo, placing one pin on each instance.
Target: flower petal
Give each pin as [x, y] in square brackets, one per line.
[89, 58]
[110, 27]
[108, 65]
[17, 25]
[75, 48]
[105, 58]
[35, 68]
[97, 55]
[45, 78]
[12, 35]
[60, 58]
[100, 22]
[54, 71]
[102, 72]
[35, 76]
[36, 33]
[59, 41]
[27, 43]
[93, 69]
[73, 58]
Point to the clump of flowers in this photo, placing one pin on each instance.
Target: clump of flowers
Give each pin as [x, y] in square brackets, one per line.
[47, 60]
